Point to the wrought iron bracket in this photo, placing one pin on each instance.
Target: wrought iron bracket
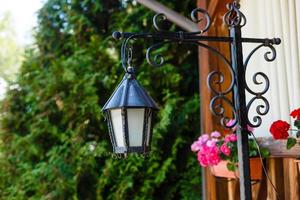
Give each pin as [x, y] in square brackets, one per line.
[237, 67]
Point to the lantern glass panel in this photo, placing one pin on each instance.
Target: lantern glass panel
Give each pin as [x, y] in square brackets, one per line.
[116, 117]
[135, 119]
[149, 126]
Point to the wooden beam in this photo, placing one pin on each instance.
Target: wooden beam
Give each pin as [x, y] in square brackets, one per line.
[176, 18]
[213, 7]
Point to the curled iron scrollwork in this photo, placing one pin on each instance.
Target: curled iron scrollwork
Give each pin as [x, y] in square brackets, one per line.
[157, 19]
[217, 103]
[261, 109]
[156, 60]
[267, 56]
[199, 15]
[234, 17]
[217, 108]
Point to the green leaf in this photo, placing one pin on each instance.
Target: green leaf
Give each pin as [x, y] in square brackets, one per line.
[291, 142]
[231, 166]
[264, 152]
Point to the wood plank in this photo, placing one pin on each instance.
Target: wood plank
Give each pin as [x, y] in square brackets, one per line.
[208, 181]
[291, 179]
[275, 171]
[208, 62]
[213, 7]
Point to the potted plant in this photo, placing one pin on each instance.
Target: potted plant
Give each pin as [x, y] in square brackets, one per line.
[220, 154]
[281, 130]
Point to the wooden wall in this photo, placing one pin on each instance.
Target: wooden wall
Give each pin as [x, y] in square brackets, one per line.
[282, 171]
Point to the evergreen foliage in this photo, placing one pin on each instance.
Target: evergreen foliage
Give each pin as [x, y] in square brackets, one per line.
[54, 140]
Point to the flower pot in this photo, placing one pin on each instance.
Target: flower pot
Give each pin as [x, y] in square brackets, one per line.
[277, 148]
[221, 170]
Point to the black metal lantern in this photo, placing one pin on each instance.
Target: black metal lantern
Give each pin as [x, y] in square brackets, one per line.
[129, 115]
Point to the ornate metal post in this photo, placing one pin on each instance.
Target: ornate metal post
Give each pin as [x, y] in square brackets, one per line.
[236, 65]
[239, 99]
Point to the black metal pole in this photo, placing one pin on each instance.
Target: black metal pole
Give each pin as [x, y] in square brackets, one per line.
[239, 99]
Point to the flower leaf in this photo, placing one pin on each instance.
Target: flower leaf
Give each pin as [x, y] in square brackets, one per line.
[231, 166]
[264, 152]
[291, 142]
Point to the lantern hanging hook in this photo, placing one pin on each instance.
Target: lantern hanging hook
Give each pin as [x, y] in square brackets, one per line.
[130, 68]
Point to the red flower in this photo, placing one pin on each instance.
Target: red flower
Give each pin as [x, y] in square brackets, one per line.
[279, 129]
[296, 114]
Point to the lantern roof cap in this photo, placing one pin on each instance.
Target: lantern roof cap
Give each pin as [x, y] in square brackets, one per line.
[129, 94]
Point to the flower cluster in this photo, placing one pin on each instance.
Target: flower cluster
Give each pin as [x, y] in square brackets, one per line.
[280, 129]
[214, 148]
[211, 149]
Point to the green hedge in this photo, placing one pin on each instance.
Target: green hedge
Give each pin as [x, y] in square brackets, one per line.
[54, 140]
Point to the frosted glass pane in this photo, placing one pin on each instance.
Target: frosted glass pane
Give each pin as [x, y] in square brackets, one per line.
[116, 118]
[135, 126]
[149, 128]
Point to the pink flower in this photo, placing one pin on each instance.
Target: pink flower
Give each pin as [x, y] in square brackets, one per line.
[208, 156]
[226, 150]
[215, 134]
[211, 143]
[196, 146]
[227, 138]
[232, 137]
[202, 159]
[203, 138]
[204, 149]
[214, 157]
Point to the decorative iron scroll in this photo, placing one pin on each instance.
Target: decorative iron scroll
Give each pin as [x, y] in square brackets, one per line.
[264, 108]
[233, 18]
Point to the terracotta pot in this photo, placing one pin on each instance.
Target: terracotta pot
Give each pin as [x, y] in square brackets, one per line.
[221, 170]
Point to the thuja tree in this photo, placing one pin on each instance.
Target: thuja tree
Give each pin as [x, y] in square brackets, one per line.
[54, 140]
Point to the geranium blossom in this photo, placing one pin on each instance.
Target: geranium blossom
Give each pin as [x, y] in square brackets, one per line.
[225, 149]
[203, 138]
[279, 129]
[296, 114]
[232, 137]
[208, 156]
[196, 146]
[211, 143]
[215, 134]
[208, 152]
